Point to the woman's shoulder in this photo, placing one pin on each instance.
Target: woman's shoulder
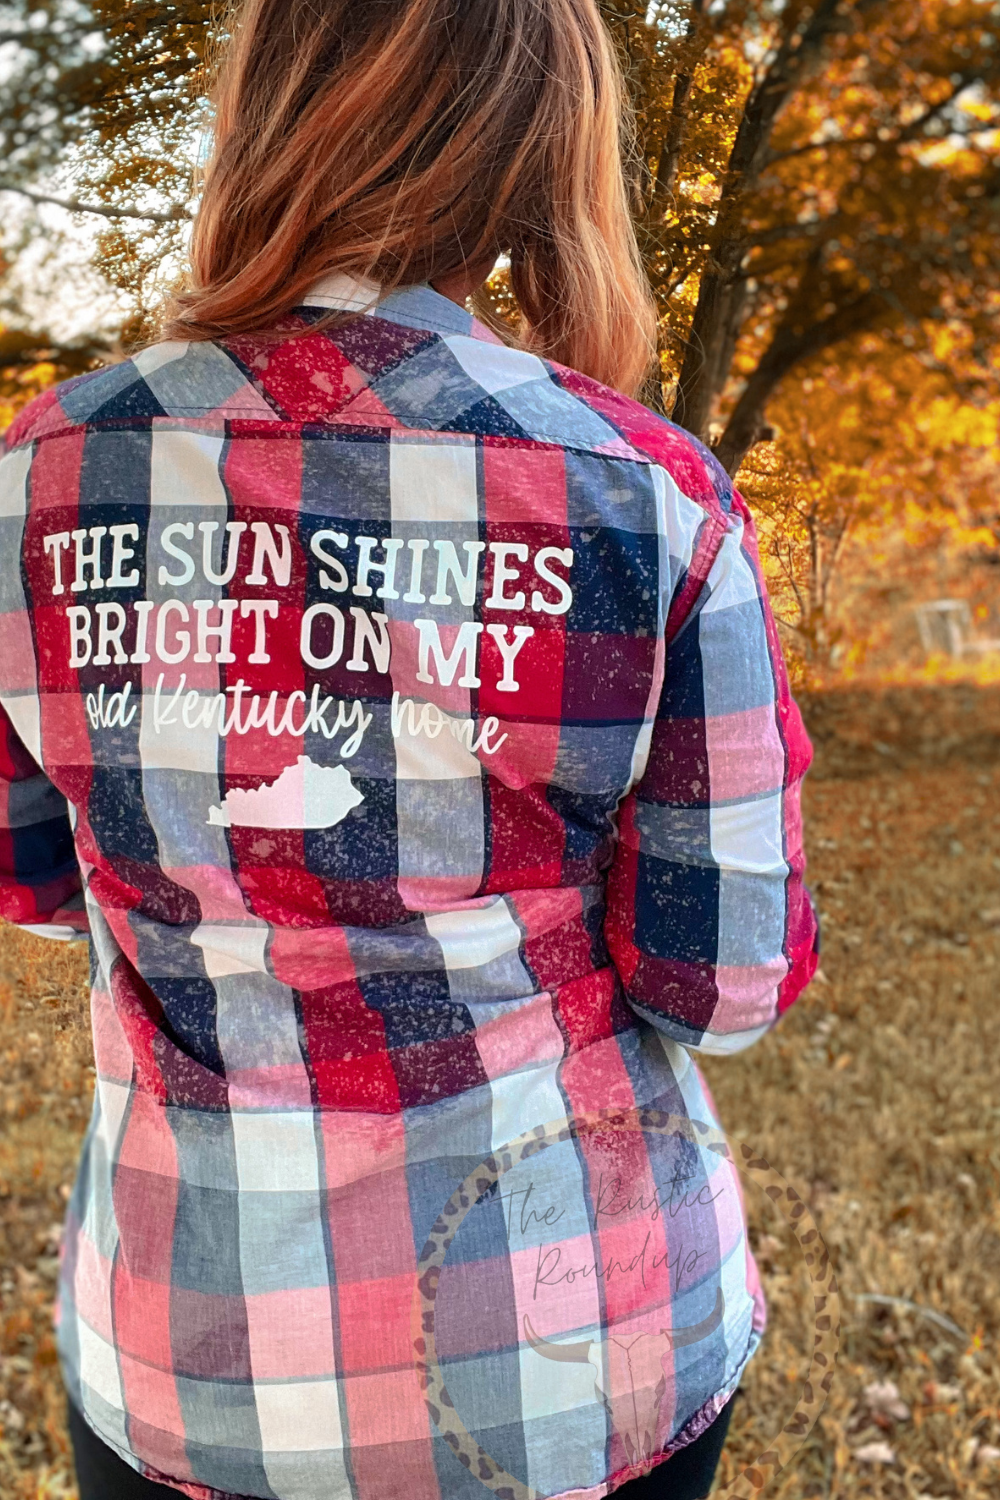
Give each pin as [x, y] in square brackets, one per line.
[380, 375]
[652, 437]
[512, 390]
[168, 379]
[45, 413]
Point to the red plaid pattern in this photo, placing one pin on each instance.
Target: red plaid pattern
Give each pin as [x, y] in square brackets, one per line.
[411, 713]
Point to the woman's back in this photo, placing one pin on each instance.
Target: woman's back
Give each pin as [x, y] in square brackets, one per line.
[345, 648]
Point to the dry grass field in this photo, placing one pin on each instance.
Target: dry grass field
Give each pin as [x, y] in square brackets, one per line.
[877, 1097]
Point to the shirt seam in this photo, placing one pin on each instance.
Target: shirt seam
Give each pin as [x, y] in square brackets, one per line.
[719, 525]
[432, 327]
[117, 424]
[429, 323]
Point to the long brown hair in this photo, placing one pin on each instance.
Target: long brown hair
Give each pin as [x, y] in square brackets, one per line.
[400, 140]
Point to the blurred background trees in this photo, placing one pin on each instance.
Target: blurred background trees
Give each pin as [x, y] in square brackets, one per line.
[817, 194]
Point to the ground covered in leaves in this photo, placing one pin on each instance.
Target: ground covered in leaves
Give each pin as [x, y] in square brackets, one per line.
[877, 1097]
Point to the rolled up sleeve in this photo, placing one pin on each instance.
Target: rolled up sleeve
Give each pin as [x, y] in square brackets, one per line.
[40, 882]
[709, 922]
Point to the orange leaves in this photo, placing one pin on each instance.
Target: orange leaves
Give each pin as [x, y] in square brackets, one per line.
[862, 209]
[878, 493]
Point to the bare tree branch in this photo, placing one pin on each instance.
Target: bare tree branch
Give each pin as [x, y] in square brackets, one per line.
[677, 121]
[906, 133]
[175, 215]
[804, 230]
[789, 345]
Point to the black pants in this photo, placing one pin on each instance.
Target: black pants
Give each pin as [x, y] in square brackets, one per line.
[688, 1475]
[102, 1475]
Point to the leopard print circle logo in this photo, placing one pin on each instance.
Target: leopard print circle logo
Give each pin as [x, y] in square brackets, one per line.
[635, 1435]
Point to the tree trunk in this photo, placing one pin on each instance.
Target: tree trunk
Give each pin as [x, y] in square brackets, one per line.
[791, 343]
[715, 329]
[717, 319]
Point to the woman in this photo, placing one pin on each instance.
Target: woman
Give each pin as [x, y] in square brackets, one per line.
[411, 704]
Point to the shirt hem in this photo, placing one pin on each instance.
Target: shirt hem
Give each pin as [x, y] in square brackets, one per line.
[692, 1429]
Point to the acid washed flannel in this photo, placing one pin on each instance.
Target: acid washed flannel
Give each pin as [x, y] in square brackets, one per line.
[414, 712]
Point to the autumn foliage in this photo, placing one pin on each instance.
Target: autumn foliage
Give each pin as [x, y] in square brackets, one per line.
[817, 195]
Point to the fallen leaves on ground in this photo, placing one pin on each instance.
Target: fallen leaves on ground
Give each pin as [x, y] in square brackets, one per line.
[46, 1082]
[876, 1096]
[897, 1152]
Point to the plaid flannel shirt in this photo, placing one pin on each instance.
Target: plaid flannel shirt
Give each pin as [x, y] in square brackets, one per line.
[414, 713]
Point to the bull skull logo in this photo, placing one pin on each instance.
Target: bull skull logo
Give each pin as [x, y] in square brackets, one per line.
[629, 1373]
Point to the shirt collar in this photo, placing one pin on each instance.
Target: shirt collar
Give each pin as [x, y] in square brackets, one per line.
[343, 293]
[417, 306]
